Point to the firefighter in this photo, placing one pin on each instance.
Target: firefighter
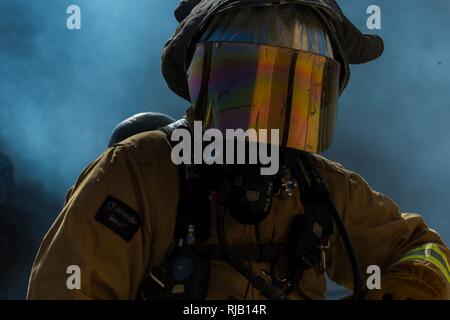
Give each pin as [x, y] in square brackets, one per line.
[134, 215]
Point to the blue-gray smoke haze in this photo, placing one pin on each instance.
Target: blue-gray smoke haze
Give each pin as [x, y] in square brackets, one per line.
[62, 92]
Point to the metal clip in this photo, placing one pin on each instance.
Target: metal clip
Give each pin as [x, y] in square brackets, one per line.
[266, 275]
[280, 283]
[288, 186]
[191, 235]
[323, 256]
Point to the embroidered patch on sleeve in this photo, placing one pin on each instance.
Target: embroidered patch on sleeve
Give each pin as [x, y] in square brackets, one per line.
[119, 217]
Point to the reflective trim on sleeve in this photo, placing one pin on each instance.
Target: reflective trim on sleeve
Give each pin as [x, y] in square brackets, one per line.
[431, 253]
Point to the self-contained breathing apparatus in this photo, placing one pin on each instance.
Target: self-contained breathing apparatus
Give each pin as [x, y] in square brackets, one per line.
[285, 71]
[247, 196]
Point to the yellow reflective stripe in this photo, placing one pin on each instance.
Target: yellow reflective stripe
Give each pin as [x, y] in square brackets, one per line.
[430, 253]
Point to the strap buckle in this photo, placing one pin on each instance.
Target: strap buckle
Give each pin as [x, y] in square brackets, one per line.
[323, 256]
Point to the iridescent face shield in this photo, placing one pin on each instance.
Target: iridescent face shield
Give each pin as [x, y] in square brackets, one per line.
[242, 85]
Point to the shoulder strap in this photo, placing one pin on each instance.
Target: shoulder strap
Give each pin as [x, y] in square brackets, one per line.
[193, 205]
[170, 128]
[309, 231]
[320, 189]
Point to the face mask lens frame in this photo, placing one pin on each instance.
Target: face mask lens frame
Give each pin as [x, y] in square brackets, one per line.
[243, 85]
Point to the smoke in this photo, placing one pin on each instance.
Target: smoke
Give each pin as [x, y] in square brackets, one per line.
[62, 92]
[393, 121]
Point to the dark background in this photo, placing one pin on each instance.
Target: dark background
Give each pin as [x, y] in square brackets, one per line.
[62, 92]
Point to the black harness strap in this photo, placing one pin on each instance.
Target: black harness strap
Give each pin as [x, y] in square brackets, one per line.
[193, 205]
[309, 231]
[321, 196]
[256, 253]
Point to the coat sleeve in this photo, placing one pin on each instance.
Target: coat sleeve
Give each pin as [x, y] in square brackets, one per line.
[400, 244]
[108, 241]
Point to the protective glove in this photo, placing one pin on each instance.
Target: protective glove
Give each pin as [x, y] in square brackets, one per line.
[412, 280]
